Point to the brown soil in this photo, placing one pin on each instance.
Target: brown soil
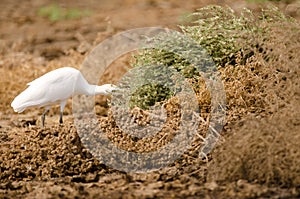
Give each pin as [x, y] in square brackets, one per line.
[258, 158]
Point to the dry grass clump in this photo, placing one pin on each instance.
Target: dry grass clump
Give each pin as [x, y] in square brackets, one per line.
[263, 151]
[139, 118]
[264, 147]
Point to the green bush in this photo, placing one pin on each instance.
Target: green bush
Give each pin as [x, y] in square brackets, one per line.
[148, 94]
[223, 35]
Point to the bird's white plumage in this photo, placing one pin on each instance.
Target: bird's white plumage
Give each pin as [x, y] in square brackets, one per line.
[56, 87]
[53, 87]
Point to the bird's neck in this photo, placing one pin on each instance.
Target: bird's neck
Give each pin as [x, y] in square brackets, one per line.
[99, 90]
[90, 90]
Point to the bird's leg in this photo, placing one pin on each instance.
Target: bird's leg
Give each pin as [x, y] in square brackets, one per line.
[61, 118]
[44, 116]
[62, 106]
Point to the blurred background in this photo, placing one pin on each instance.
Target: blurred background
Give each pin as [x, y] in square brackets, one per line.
[50, 28]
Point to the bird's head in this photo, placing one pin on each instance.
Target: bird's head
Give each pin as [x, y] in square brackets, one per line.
[106, 89]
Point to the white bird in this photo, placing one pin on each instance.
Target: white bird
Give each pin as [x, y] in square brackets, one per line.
[56, 87]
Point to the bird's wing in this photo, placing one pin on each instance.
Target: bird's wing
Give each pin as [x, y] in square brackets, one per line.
[48, 78]
[47, 89]
[32, 96]
[58, 75]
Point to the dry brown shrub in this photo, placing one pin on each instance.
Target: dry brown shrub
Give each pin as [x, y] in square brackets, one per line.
[264, 147]
[264, 151]
[142, 118]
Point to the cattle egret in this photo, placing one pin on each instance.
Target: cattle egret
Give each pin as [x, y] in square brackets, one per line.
[56, 87]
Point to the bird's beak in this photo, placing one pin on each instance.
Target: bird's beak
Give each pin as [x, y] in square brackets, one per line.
[114, 89]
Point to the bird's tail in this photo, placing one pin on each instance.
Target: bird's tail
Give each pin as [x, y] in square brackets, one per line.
[16, 105]
[22, 101]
